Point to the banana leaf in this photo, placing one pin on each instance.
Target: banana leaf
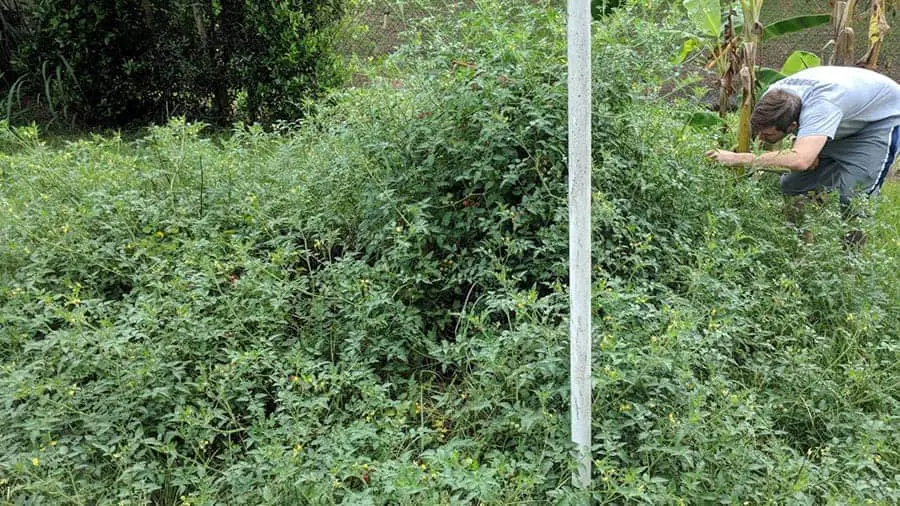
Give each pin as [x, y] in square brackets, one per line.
[795, 24]
[766, 77]
[706, 16]
[799, 60]
[790, 25]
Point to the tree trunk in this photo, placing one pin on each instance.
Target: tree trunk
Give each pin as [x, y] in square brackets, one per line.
[221, 94]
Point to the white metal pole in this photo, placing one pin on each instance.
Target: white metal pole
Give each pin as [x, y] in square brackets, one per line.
[579, 61]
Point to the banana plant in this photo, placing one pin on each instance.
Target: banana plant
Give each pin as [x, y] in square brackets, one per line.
[732, 41]
[843, 33]
[842, 17]
[878, 28]
[716, 37]
[797, 61]
[752, 35]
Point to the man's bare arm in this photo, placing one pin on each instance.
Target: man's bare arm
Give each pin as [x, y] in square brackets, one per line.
[802, 156]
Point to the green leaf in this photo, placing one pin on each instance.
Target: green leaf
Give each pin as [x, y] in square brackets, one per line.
[799, 60]
[795, 24]
[687, 48]
[767, 77]
[600, 8]
[704, 120]
[706, 16]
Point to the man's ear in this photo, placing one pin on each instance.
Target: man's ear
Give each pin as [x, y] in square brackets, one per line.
[793, 128]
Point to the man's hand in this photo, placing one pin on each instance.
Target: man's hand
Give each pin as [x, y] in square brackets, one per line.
[804, 155]
[729, 158]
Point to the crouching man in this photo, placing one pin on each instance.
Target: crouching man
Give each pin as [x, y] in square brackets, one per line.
[846, 120]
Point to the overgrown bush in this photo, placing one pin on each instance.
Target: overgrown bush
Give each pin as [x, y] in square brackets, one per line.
[116, 62]
[372, 308]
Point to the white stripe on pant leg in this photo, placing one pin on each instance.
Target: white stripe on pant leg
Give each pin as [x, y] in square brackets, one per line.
[884, 165]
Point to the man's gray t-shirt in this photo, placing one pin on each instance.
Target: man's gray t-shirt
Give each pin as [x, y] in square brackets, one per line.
[840, 101]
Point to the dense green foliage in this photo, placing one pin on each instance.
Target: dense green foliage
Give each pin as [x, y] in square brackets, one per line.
[118, 62]
[371, 308]
[10, 29]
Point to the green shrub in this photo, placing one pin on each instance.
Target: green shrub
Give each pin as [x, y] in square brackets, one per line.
[123, 62]
[371, 308]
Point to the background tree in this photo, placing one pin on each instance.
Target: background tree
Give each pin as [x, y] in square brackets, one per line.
[11, 27]
[118, 62]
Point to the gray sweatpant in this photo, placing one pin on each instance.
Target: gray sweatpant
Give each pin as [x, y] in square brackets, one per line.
[852, 165]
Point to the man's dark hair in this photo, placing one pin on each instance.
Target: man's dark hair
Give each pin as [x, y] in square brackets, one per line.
[778, 109]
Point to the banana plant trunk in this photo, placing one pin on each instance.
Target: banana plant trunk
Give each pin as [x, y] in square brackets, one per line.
[726, 68]
[878, 28]
[842, 17]
[752, 36]
[744, 133]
